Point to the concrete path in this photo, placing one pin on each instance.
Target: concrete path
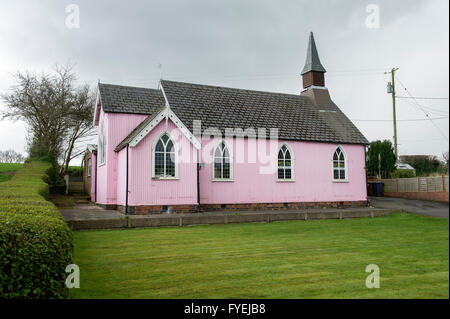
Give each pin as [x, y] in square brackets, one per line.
[421, 207]
[89, 212]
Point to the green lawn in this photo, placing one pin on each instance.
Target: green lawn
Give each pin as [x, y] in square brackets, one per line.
[296, 259]
[6, 170]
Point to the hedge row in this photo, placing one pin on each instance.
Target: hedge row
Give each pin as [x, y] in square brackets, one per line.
[35, 242]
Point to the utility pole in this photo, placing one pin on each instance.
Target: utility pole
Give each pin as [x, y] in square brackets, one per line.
[391, 89]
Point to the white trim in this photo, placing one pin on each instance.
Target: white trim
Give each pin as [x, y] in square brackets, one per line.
[89, 167]
[184, 130]
[166, 113]
[148, 128]
[291, 152]
[175, 145]
[230, 151]
[101, 144]
[346, 180]
[315, 87]
[98, 98]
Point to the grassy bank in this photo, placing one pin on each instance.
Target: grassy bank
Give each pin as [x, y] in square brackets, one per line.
[298, 259]
[7, 170]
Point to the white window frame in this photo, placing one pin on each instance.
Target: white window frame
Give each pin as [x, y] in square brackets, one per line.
[230, 151]
[175, 145]
[101, 145]
[292, 179]
[89, 167]
[346, 180]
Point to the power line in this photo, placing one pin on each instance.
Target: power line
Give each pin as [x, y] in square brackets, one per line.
[421, 108]
[422, 98]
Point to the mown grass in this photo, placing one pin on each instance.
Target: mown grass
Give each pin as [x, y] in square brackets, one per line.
[7, 170]
[297, 259]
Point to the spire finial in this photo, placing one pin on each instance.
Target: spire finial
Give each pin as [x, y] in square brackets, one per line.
[312, 58]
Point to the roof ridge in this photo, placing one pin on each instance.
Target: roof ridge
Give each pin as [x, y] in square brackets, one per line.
[127, 86]
[236, 89]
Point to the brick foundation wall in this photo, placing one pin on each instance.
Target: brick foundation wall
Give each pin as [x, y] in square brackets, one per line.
[108, 206]
[432, 196]
[159, 209]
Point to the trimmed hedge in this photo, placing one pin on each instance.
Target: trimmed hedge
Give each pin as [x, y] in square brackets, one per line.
[35, 241]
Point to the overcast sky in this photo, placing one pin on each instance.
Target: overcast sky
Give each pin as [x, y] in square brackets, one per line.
[247, 44]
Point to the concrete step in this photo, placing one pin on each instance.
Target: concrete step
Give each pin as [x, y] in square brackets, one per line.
[137, 221]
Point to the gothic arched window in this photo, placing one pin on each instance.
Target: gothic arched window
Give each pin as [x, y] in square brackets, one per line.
[285, 163]
[164, 158]
[222, 169]
[339, 165]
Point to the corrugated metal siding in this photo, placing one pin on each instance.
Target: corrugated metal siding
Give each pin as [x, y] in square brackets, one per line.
[147, 191]
[116, 127]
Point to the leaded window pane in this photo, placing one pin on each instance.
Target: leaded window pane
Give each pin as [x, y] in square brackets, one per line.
[159, 164]
[280, 155]
[342, 174]
[217, 170]
[336, 174]
[226, 170]
[170, 165]
[287, 173]
[159, 146]
[281, 173]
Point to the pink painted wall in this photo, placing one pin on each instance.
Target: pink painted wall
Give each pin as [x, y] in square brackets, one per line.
[116, 127]
[144, 190]
[313, 178]
[312, 167]
[121, 176]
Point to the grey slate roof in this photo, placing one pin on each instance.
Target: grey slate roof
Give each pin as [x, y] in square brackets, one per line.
[128, 99]
[312, 58]
[297, 117]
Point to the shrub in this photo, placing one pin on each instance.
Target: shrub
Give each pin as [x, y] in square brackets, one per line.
[403, 173]
[75, 171]
[35, 242]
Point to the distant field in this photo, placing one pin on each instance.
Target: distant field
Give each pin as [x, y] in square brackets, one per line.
[298, 259]
[6, 170]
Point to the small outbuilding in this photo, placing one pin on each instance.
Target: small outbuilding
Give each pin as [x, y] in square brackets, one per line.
[87, 167]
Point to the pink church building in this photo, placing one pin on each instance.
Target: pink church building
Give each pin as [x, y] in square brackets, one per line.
[188, 147]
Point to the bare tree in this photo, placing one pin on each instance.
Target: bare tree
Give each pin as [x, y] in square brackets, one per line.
[80, 125]
[11, 156]
[58, 113]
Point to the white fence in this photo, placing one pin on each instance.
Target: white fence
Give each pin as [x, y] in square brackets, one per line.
[416, 184]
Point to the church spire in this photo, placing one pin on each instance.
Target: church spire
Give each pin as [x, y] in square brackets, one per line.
[313, 71]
